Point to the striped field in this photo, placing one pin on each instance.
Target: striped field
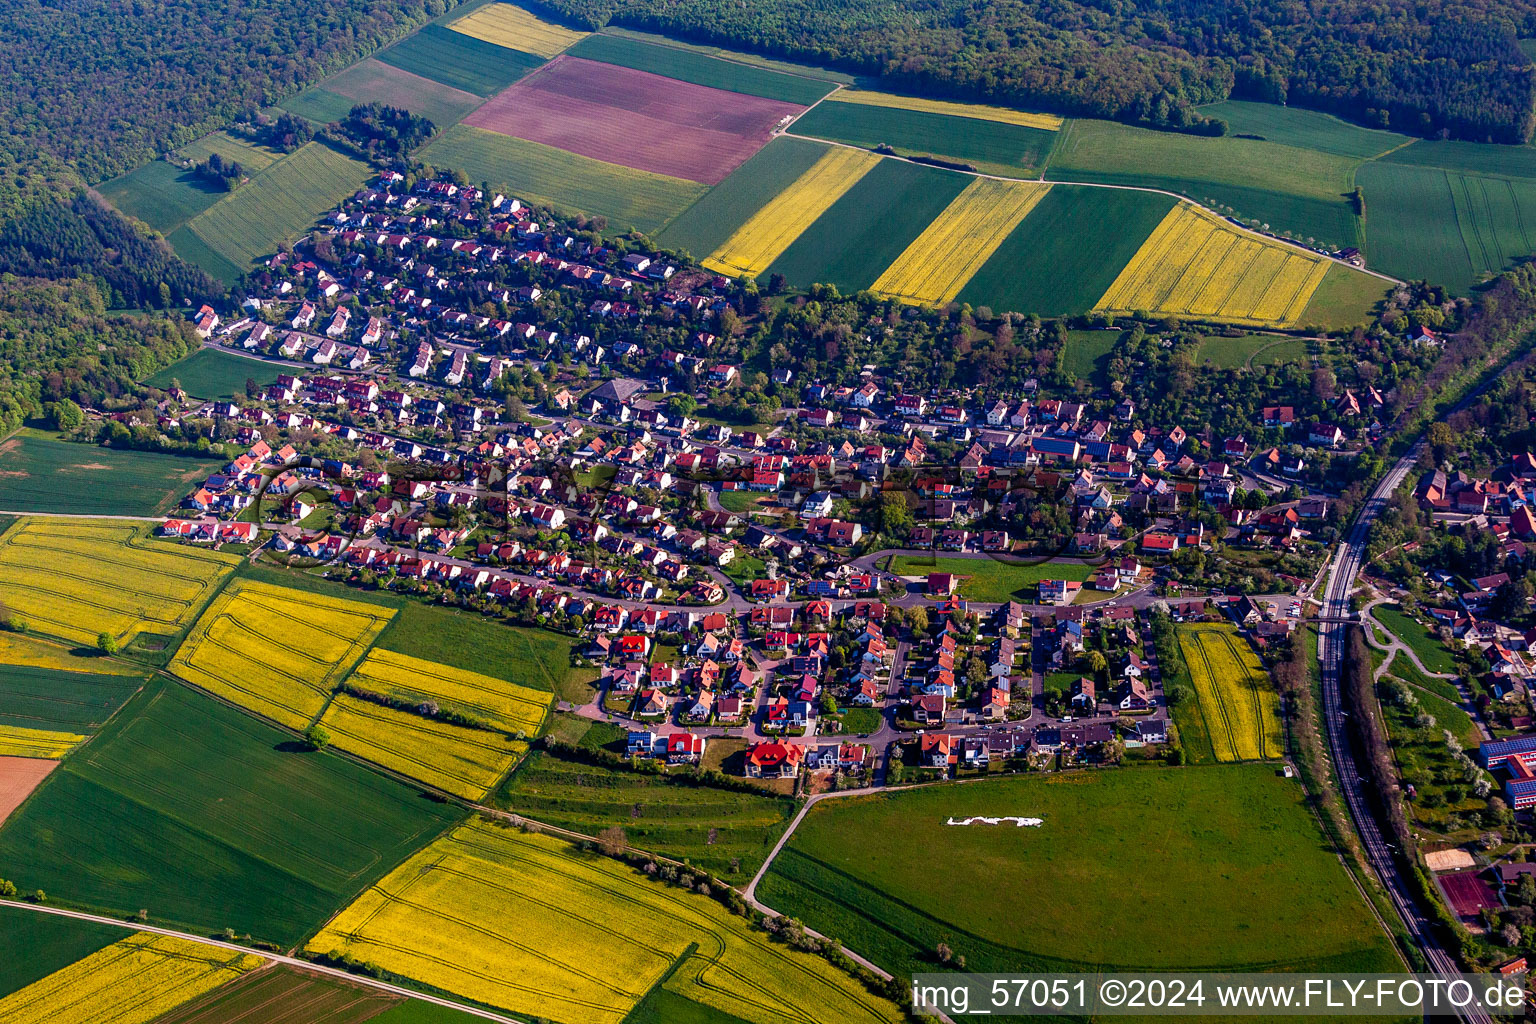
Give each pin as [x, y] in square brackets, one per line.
[949, 252]
[979, 111]
[1197, 265]
[510, 26]
[757, 243]
[18, 742]
[495, 702]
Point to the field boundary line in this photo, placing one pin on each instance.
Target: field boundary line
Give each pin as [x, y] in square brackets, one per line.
[269, 957]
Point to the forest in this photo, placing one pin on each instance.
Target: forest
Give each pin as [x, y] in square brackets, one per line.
[1440, 68]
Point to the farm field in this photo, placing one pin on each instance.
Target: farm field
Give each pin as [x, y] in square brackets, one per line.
[1259, 349]
[1468, 157]
[33, 945]
[991, 580]
[211, 374]
[1345, 298]
[1237, 714]
[456, 759]
[516, 29]
[373, 81]
[17, 741]
[209, 818]
[250, 155]
[500, 704]
[433, 919]
[132, 981]
[43, 474]
[161, 194]
[77, 579]
[276, 205]
[284, 995]
[276, 651]
[861, 234]
[535, 659]
[706, 225]
[949, 252]
[319, 105]
[787, 67]
[1305, 129]
[1298, 192]
[753, 247]
[16, 649]
[1066, 253]
[1431, 652]
[625, 198]
[459, 61]
[634, 118]
[48, 698]
[1001, 147]
[1241, 864]
[19, 776]
[980, 111]
[710, 827]
[1197, 265]
[687, 65]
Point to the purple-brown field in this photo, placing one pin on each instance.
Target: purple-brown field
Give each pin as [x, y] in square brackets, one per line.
[634, 118]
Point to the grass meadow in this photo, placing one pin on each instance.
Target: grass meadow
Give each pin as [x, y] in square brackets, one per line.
[208, 818]
[688, 65]
[211, 374]
[623, 197]
[994, 146]
[991, 580]
[726, 832]
[1431, 652]
[39, 473]
[437, 919]
[1242, 876]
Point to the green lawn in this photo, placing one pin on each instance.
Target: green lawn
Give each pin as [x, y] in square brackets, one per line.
[211, 374]
[707, 826]
[862, 233]
[1262, 349]
[207, 818]
[1063, 257]
[862, 721]
[1420, 640]
[1087, 355]
[34, 945]
[704, 226]
[52, 699]
[39, 473]
[992, 581]
[993, 146]
[1230, 857]
[688, 65]
[577, 184]
[459, 61]
[739, 502]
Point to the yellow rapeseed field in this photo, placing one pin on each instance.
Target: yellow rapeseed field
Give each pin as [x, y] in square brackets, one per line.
[1238, 702]
[497, 702]
[510, 26]
[980, 111]
[74, 580]
[277, 651]
[16, 741]
[530, 924]
[462, 761]
[948, 253]
[21, 650]
[1196, 264]
[129, 982]
[754, 246]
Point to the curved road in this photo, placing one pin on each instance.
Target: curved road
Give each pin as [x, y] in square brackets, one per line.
[1331, 638]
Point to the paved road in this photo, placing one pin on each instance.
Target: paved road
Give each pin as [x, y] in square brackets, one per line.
[1331, 640]
[276, 958]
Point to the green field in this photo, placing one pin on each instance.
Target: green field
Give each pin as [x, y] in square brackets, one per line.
[277, 205]
[34, 945]
[417, 1012]
[1421, 641]
[1064, 256]
[1307, 129]
[1299, 192]
[1469, 157]
[864, 231]
[990, 580]
[283, 995]
[692, 66]
[211, 374]
[704, 226]
[208, 818]
[736, 56]
[50, 699]
[161, 195]
[1257, 350]
[531, 657]
[250, 155]
[460, 61]
[1210, 868]
[1448, 227]
[42, 474]
[710, 827]
[1087, 355]
[191, 248]
[1345, 298]
[577, 184]
[373, 81]
[319, 105]
[993, 146]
